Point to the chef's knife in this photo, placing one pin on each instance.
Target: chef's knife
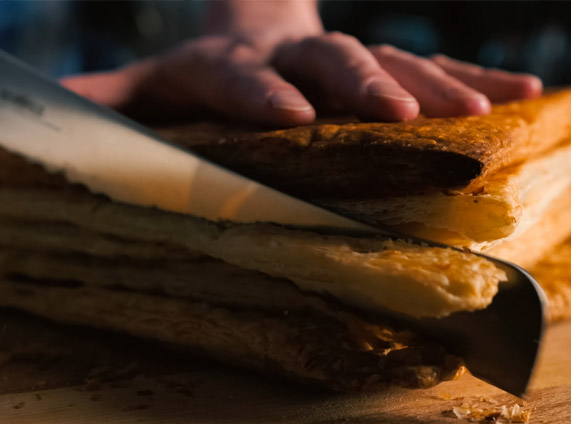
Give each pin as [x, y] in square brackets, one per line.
[113, 155]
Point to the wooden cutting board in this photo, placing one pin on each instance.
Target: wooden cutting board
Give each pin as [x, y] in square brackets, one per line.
[190, 390]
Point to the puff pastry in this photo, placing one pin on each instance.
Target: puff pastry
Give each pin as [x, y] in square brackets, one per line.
[78, 258]
[371, 160]
[206, 305]
[513, 200]
[519, 185]
[283, 301]
[369, 273]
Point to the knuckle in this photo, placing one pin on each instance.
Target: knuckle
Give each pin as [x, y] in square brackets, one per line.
[318, 45]
[359, 66]
[450, 89]
[331, 38]
[384, 49]
[212, 52]
[311, 44]
[427, 64]
[428, 68]
[439, 57]
[200, 54]
[239, 53]
[337, 36]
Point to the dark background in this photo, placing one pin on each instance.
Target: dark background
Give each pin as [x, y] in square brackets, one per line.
[532, 36]
[68, 37]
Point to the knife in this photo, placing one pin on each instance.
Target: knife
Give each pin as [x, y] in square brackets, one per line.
[110, 154]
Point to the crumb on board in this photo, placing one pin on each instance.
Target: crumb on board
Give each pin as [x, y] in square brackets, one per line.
[19, 405]
[497, 414]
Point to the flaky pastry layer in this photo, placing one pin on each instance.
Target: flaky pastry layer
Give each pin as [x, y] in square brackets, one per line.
[512, 202]
[368, 273]
[207, 306]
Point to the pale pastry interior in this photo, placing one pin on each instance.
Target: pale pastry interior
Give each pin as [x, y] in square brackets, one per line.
[368, 273]
[512, 202]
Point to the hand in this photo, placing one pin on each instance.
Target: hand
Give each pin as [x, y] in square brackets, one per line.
[238, 69]
[382, 82]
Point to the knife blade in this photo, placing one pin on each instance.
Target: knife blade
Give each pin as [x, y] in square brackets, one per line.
[110, 154]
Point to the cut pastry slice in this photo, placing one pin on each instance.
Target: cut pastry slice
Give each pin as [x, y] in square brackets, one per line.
[512, 202]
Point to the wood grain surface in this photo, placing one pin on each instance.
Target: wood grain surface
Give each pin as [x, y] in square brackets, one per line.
[174, 388]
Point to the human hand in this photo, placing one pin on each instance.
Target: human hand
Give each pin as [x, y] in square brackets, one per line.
[238, 69]
[227, 70]
[385, 83]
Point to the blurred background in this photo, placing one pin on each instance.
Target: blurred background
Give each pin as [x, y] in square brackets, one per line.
[65, 37]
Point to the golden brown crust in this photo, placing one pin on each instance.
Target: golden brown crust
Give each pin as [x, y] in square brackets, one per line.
[365, 160]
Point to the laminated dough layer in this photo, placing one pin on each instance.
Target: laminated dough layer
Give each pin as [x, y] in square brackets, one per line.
[512, 202]
[207, 306]
[369, 273]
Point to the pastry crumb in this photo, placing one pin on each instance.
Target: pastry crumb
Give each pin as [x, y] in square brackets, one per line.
[476, 413]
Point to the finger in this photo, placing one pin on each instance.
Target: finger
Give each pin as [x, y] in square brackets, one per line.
[127, 90]
[235, 81]
[344, 69]
[262, 95]
[438, 93]
[498, 85]
[112, 89]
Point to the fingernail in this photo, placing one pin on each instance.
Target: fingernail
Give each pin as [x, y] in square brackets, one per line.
[388, 91]
[478, 105]
[469, 103]
[287, 100]
[473, 103]
[533, 87]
